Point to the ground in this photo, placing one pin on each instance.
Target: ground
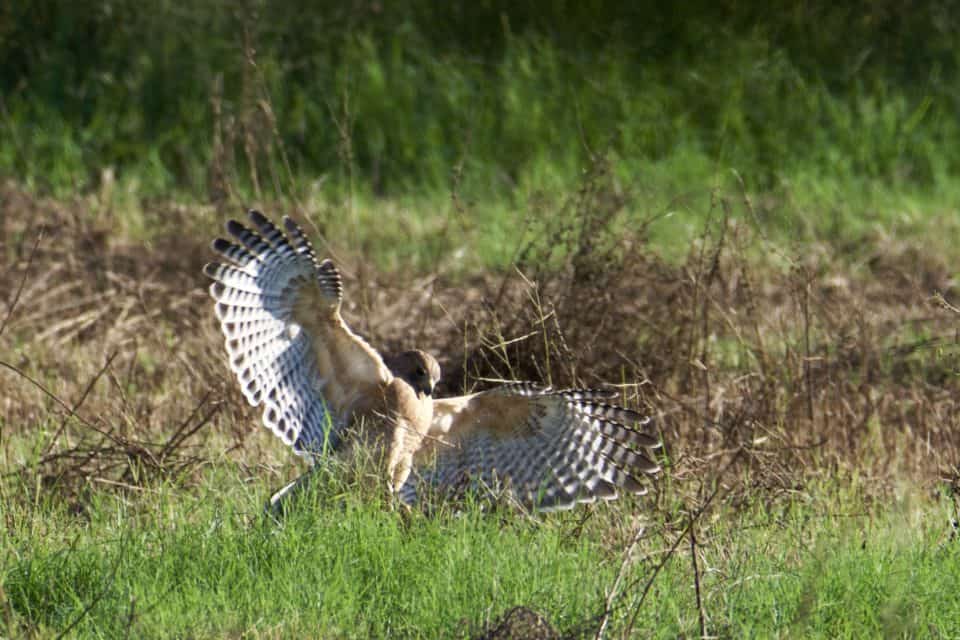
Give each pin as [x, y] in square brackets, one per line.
[807, 403]
[741, 221]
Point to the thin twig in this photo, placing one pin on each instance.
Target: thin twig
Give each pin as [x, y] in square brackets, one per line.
[78, 403]
[98, 597]
[23, 280]
[673, 548]
[608, 606]
[38, 385]
[696, 583]
[122, 485]
[807, 370]
[940, 300]
[174, 440]
[62, 404]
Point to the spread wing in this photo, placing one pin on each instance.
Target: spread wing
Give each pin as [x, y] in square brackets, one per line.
[279, 310]
[549, 449]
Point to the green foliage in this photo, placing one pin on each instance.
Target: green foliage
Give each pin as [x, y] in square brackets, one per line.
[840, 120]
[165, 564]
[396, 95]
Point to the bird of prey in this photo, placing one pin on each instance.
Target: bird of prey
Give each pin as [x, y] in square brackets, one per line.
[293, 355]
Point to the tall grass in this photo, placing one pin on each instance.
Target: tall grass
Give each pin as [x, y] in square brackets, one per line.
[808, 407]
[163, 563]
[394, 100]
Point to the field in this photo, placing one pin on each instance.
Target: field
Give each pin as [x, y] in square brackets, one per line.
[744, 224]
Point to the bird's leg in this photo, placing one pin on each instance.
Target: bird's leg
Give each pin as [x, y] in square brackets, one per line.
[277, 500]
[400, 458]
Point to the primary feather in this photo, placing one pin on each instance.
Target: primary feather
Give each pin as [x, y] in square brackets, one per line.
[548, 449]
[275, 350]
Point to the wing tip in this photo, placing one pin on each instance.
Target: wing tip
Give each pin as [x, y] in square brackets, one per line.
[213, 270]
[257, 218]
[235, 228]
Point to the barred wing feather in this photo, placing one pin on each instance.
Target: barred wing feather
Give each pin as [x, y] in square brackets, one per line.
[548, 449]
[278, 309]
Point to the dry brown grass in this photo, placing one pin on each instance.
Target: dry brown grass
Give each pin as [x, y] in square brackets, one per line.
[807, 364]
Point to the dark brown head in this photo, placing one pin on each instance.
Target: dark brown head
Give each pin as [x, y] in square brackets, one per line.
[419, 369]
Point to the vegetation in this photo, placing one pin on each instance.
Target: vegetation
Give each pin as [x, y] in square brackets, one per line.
[742, 218]
[842, 116]
[206, 563]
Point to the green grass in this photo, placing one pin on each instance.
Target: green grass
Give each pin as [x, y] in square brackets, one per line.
[208, 563]
[466, 140]
[839, 120]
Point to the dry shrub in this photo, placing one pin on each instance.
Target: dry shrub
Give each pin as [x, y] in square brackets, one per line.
[801, 362]
[807, 364]
[107, 346]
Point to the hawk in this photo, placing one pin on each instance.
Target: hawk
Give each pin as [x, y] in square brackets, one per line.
[293, 355]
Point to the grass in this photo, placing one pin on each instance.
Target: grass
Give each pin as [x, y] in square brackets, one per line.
[817, 398]
[162, 562]
[742, 219]
[462, 120]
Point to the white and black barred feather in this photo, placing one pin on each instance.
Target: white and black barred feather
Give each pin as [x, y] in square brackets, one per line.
[574, 448]
[255, 290]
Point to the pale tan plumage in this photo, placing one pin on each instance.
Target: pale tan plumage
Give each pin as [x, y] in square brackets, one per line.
[279, 309]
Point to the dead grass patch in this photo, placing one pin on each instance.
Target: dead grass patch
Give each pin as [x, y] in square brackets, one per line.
[805, 362]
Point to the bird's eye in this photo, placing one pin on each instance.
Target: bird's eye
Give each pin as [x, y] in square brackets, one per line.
[420, 372]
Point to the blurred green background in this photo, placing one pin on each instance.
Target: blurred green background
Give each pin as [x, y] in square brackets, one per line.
[815, 102]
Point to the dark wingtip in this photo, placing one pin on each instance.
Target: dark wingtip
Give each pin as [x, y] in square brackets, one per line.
[257, 218]
[292, 226]
[234, 227]
[220, 245]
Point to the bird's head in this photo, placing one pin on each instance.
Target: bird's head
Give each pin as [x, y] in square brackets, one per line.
[419, 369]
